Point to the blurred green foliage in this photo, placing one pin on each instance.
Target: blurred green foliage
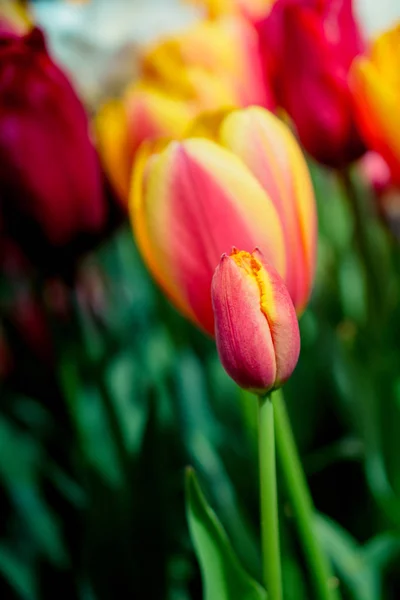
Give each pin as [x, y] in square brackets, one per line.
[94, 445]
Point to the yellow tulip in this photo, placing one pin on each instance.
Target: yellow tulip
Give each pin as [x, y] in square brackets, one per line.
[375, 84]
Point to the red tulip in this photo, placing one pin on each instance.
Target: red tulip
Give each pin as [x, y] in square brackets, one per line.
[308, 47]
[50, 180]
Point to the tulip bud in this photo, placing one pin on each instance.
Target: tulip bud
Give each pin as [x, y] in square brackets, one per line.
[375, 85]
[308, 46]
[256, 328]
[50, 180]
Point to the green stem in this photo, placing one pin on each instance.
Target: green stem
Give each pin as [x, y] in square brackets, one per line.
[268, 499]
[361, 220]
[301, 503]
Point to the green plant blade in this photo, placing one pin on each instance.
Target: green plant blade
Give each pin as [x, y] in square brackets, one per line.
[223, 576]
[347, 555]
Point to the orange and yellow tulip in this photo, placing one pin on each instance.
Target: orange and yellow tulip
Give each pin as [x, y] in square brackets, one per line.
[211, 66]
[226, 49]
[256, 328]
[375, 84]
[248, 186]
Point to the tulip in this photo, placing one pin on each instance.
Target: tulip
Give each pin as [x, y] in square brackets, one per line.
[256, 328]
[227, 49]
[212, 65]
[308, 46]
[248, 186]
[50, 180]
[375, 85]
[144, 113]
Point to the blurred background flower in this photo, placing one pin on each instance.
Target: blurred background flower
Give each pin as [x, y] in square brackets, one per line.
[308, 50]
[376, 89]
[209, 66]
[44, 203]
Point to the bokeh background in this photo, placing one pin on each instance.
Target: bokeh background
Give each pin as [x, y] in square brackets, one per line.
[107, 393]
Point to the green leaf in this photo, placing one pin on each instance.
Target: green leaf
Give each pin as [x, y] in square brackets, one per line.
[19, 575]
[223, 576]
[360, 577]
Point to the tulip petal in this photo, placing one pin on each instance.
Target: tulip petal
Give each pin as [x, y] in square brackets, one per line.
[269, 150]
[111, 126]
[155, 260]
[153, 113]
[279, 310]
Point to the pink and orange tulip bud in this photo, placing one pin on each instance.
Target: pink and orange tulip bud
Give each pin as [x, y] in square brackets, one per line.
[50, 178]
[375, 84]
[309, 46]
[248, 186]
[256, 328]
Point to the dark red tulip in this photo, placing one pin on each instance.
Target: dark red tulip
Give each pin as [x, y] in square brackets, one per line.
[51, 187]
[308, 47]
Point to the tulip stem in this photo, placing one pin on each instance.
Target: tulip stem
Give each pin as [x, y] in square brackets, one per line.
[271, 558]
[324, 583]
